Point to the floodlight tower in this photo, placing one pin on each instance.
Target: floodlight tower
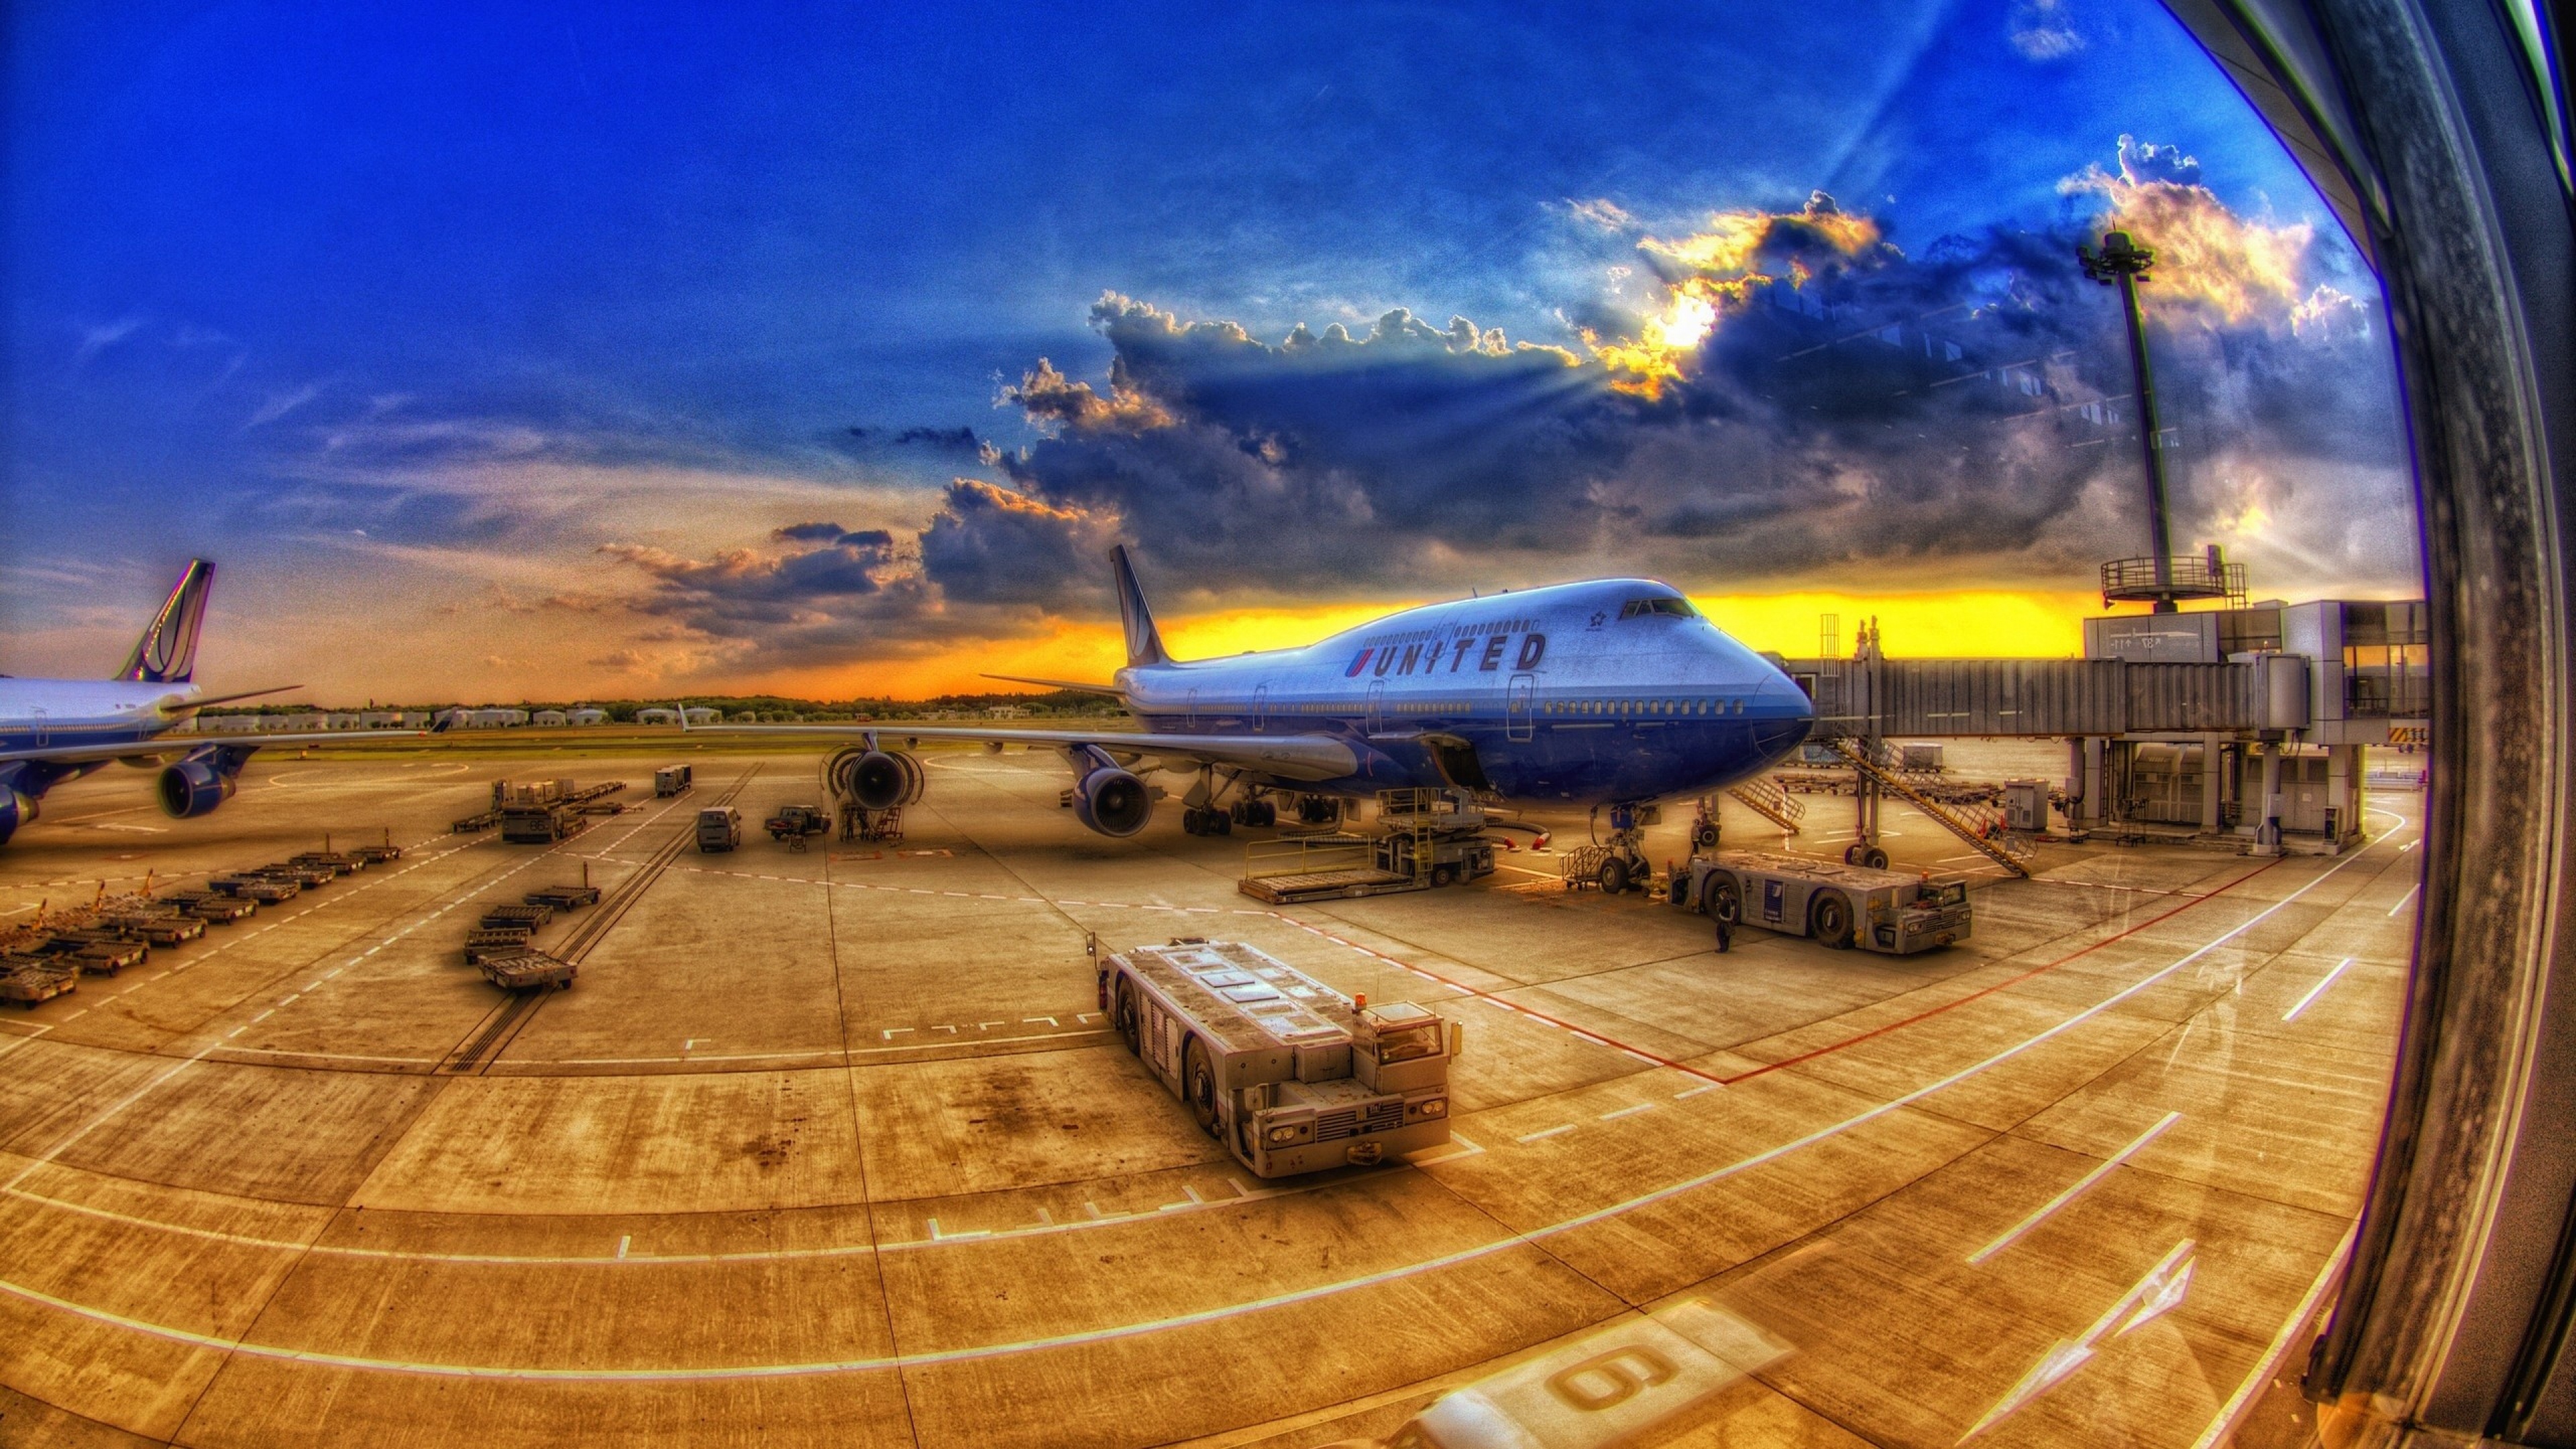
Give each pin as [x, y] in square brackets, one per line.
[2124, 264]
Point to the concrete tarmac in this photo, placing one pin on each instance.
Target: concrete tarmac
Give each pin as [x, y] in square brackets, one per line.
[835, 1147]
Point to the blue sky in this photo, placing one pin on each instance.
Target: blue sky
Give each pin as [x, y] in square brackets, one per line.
[453, 303]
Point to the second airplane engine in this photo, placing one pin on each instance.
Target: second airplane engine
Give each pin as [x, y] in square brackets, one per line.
[1113, 802]
[17, 807]
[192, 787]
[874, 779]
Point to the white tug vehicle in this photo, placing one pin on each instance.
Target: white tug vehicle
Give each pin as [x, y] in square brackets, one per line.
[1290, 1074]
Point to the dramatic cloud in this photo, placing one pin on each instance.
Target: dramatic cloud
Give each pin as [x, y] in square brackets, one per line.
[825, 587]
[993, 546]
[1770, 399]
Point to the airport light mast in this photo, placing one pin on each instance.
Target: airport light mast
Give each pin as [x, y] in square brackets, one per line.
[2124, 264]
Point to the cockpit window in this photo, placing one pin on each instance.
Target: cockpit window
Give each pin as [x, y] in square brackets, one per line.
[1672, 604]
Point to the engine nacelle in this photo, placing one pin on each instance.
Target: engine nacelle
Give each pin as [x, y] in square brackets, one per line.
[193, 787]
[875, 779]
[17, 808]
[1113, 802]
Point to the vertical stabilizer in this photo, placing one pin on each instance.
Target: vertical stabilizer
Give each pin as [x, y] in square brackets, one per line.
[167, 652]
[1144, 644]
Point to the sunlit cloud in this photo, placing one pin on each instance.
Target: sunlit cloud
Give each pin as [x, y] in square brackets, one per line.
[1715, 268]
[2209, 257]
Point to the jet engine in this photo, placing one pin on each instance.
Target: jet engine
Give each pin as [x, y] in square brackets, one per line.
[874, 779]
[1113, 802]
[195, 786]
[17, 808]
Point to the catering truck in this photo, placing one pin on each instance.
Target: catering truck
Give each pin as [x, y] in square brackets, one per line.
[1288, 1073]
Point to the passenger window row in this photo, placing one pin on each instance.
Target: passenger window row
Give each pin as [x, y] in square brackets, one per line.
[1673, 707]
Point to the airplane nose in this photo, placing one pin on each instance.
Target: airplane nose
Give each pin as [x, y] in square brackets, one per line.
[1785, 716]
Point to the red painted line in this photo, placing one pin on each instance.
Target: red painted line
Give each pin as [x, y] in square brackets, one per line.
[2000, 985]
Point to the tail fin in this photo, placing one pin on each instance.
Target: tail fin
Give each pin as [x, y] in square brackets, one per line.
[1144, 643]
[167, 652]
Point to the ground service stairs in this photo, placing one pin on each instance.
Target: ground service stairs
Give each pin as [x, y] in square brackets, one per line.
[1992, 846]
[1765, 798]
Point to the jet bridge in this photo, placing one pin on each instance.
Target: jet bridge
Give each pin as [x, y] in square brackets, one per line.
[2250, 720]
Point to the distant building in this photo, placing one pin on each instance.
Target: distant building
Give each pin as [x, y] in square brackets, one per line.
[699, 714]
[549, 718]
[482, 719]
[1006, 711]
[587, 716]
[657, 714]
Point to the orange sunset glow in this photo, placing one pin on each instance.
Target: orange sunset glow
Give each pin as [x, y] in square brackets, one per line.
[1982, 622]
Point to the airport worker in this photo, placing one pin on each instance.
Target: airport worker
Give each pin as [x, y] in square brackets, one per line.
[1725, 936]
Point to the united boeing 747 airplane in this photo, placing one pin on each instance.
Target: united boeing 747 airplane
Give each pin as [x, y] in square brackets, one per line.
[1611, 692]
[52, 730]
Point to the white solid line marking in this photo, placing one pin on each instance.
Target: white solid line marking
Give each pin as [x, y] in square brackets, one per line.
[2153, 1294]
[1695, 1091]
[1550, 1132]
[2073, 1192]
[2317, 990]
[2262, 1370]
[1627, 1111]
[2402, 900]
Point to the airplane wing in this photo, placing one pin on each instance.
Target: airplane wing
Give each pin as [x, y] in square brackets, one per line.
[1286, 757]
[184, 744]
[1077, 686]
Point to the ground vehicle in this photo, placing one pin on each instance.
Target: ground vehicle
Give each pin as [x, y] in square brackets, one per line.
[719, 828]
[1840, 905]
[541, 824]
[672, 780]
[1441, 859]
[1288, 1073]
[796, 822]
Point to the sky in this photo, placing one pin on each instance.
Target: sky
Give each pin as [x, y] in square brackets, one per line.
[543, 351]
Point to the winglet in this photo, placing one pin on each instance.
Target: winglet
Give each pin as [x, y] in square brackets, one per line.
[1144, 643]
[167, 652]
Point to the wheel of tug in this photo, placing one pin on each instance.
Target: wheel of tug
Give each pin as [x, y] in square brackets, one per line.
[1614, 875]
[1129, 1027]
[1442, 875]
[1851, 854]
[1198, 1085]
[1832, 921]
[1723, 901]
[1704, 836]
[1874, 858]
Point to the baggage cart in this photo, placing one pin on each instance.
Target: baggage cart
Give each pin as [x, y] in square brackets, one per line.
[527, 970]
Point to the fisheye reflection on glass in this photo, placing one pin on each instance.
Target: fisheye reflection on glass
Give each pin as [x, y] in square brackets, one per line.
[1434, 728]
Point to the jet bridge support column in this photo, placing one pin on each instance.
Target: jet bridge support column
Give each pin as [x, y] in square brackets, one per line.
[2210, 746]
[2267, 805]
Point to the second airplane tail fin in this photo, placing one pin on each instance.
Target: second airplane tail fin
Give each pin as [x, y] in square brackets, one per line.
[167, 652]
[1144, 642]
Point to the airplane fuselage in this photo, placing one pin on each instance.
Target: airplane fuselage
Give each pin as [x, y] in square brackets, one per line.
[37, 714]
[1581, 694]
